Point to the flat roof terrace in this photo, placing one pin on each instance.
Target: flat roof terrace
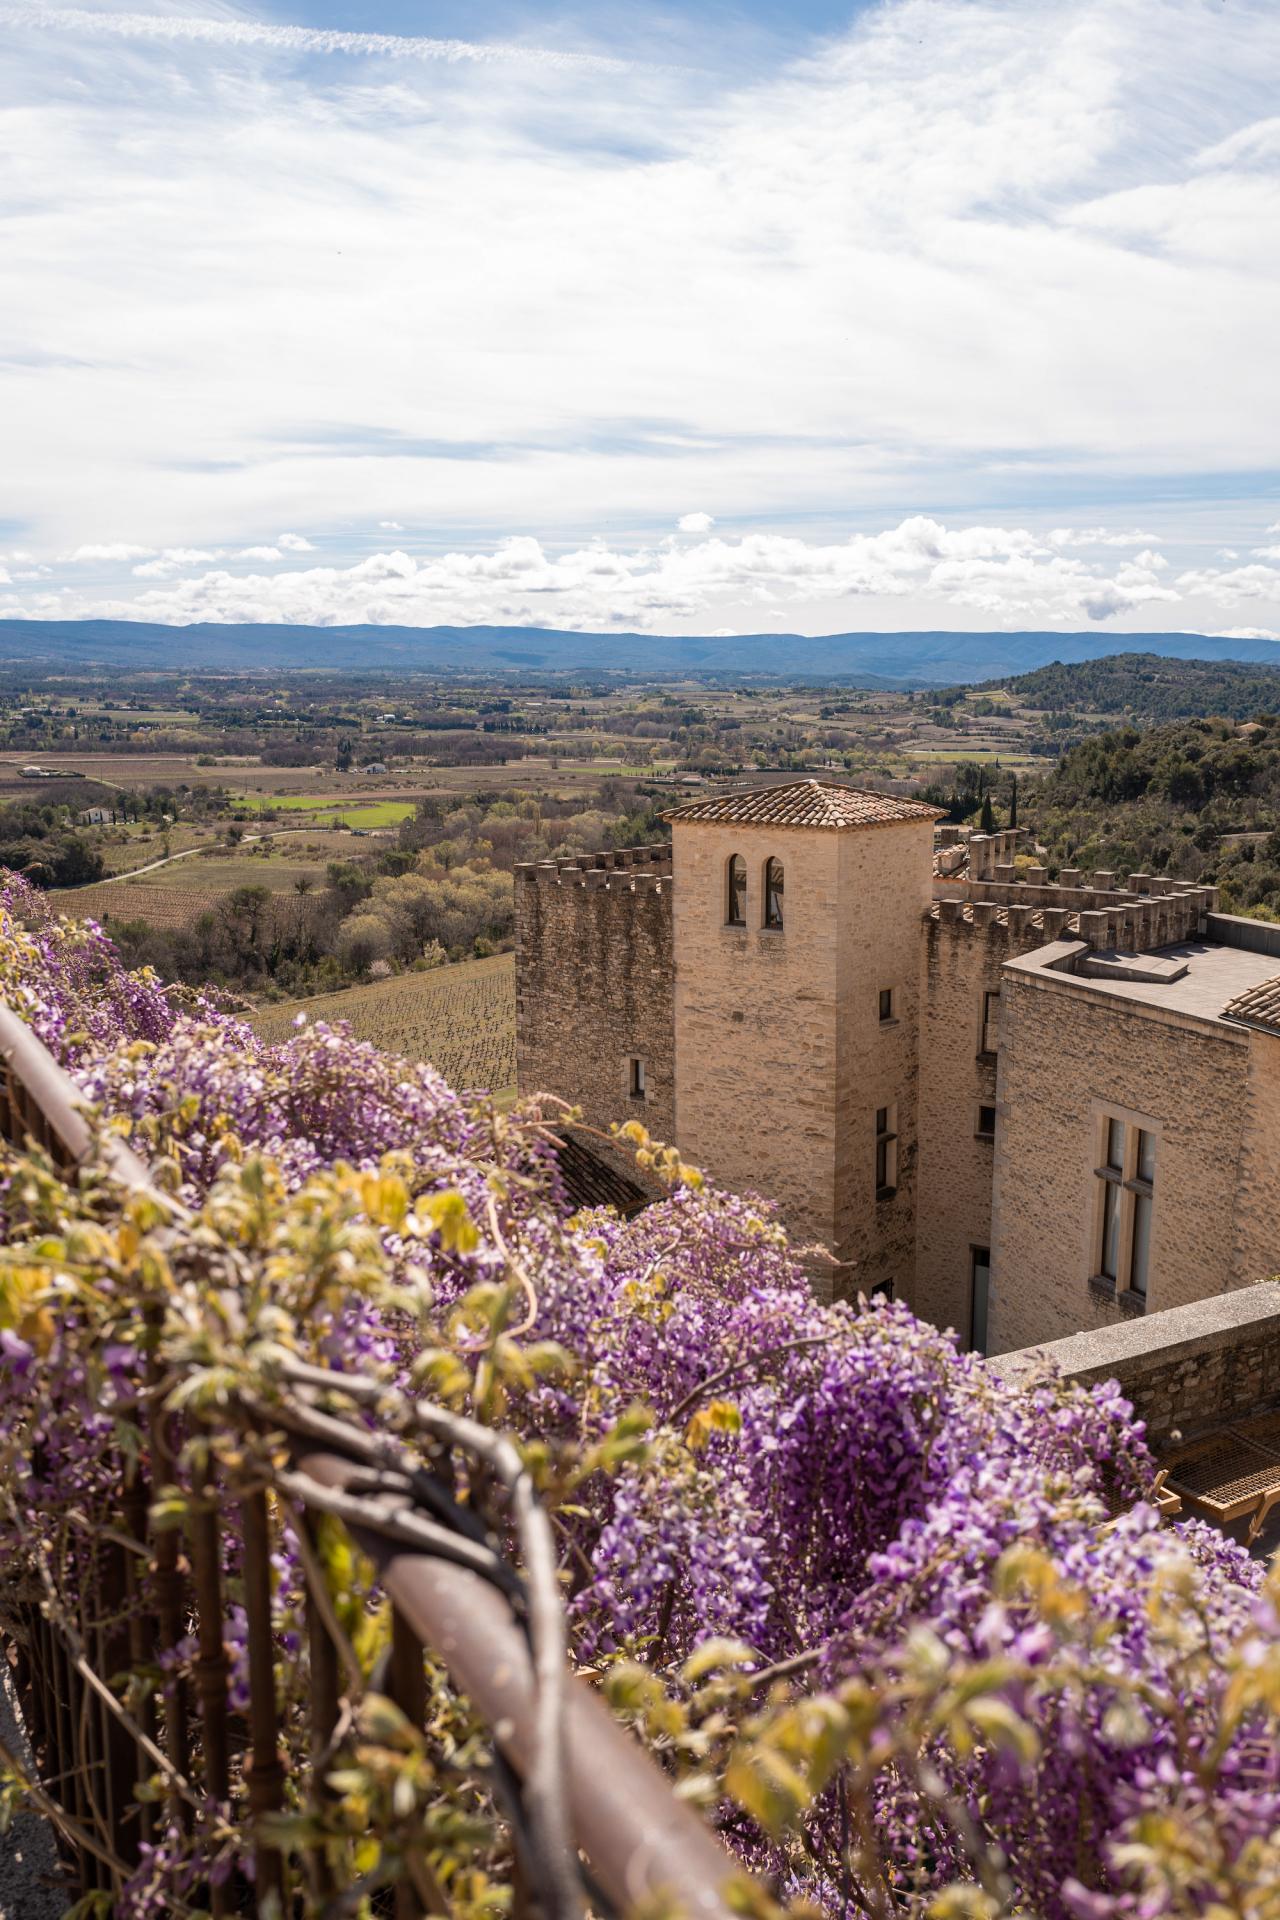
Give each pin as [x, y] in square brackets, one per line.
[1192, 978]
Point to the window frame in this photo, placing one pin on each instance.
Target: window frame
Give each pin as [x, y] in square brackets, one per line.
[1123, 1215]
[989, 1022]
[979, 1131]
[637, 1077]
[736, 864]
[773, 896]
[887, 1005]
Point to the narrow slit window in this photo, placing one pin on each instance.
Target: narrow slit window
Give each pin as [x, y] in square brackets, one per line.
[886, 1152]
[991, 1021]
[979, 1298]
[736, 901]
[886, 1004]
[637, 1078]
[773, 893]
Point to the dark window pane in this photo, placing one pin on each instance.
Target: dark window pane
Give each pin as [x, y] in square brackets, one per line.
[1115, 1145]
[979, 1299]
[1110, 1261]
[1141, 1243]
[1146, 1169]
[736, 908]
[773, 893]
[986, 1120]
[886, 1003]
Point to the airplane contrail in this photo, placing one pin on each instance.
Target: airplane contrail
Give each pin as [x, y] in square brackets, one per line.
[178, 29]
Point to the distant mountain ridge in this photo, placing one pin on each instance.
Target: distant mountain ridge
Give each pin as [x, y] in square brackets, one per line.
[890, 659]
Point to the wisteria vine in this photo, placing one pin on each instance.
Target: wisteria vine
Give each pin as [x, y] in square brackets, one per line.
[868, 1607]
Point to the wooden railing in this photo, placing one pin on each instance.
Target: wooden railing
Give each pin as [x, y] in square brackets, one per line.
[589, 1803]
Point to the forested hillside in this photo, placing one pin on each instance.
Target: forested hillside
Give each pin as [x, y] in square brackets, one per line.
[1150, 688]
[1175, 799]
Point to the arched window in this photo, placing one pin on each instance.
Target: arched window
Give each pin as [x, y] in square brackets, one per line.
[735, 910]
[773, 893]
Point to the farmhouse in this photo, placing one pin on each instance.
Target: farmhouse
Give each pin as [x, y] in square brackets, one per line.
[1027, 1108]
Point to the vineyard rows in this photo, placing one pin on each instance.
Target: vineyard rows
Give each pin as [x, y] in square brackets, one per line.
[461, 1018]
[173, 907]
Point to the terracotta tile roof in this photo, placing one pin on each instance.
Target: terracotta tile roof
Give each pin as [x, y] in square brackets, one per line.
[805, 803]
[1257, 1006]
[589, 1182]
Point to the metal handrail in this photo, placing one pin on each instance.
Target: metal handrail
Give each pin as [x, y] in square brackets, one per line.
[638, 1837]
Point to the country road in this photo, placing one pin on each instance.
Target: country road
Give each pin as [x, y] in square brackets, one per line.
[213, 846]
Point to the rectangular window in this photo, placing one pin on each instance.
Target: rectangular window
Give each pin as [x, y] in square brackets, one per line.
[882, 1290]
[1143, 1197]
[886, 1003]
[886, 1152]
[990, 1021]
[979, 1298]
[637, 1079]
[986, 1123]
[1127, 1174]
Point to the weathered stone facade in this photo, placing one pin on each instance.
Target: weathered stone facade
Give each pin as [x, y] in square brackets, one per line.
[594, 981]
[1071, 1058]
[920, 1064]
[1185, 1372]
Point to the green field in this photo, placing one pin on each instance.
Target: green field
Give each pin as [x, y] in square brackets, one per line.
[370, 813]
[462, 1019]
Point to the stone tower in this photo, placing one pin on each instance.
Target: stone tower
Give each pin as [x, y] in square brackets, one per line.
[797, 917]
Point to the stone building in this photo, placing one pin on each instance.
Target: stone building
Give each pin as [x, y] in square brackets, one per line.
[1027, 1107]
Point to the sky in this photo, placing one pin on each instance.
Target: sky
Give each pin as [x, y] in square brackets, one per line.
[691, 318]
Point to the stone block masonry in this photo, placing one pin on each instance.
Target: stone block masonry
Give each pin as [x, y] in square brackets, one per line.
[594, 985]
[1070, 1057]
[1184, 1372]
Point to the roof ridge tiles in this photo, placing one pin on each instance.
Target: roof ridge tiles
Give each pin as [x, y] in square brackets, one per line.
[805, 803]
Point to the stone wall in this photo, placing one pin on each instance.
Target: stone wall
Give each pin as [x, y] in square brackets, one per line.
[885, 879]
[960, 962]
[781, 1057]
[1185, 1371]
[755, 1019]
[1068, 1057]
[1256, 1252]
[594, 985]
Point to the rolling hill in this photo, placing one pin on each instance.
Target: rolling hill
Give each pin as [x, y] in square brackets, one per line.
[892, 659]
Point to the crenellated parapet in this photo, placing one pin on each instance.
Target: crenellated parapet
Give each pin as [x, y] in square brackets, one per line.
[1105, 918]
[623, 865]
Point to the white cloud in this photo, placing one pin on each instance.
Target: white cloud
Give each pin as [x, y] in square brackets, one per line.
[1229, 588]
[1251, 633]
[112, 550]
[172, 560]
[294, 543]
[1099, 537]
[1010, 574]
[473, 295]
[695, 523]
[257, 553]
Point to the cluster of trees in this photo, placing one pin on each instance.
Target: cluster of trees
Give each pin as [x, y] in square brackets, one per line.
[1198, 800]
[444, 891]
[1151, 688]
[40, 842]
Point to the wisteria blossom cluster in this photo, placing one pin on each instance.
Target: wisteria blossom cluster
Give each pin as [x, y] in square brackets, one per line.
[869, 1607]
